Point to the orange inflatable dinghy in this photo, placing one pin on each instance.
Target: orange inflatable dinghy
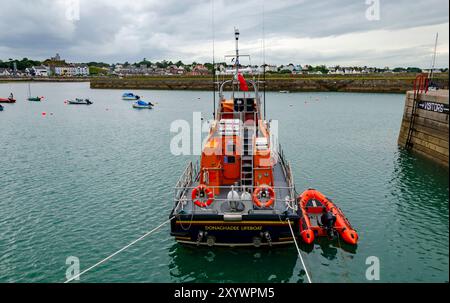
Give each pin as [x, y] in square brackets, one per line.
[313, 203]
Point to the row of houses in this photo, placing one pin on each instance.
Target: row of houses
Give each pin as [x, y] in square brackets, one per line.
[154, 70]
[47, 71]
[54, 66]
[295, 70]
[67, 70]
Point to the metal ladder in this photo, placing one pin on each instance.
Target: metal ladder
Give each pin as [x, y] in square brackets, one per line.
[247, 164]
[248, 143]
[420, 86]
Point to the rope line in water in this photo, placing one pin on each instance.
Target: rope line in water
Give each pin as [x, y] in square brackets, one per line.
[299, 253]
[121, 250]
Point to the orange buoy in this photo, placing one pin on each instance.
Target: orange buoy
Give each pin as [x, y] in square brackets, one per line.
[202, 191]
[264, 190]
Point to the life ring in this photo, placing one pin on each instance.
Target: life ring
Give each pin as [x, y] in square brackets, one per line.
[207, 192]
[257, 200]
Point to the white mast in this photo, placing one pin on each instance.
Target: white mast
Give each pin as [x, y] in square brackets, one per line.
[236, 33]
[433, 64]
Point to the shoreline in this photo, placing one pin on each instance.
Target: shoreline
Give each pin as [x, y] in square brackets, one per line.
[356, 84]
[375, 83]
[50, 80]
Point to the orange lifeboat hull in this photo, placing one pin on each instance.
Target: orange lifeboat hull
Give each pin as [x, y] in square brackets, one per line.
[312, 203]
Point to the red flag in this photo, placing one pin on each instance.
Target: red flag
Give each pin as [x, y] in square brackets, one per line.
[243, 83]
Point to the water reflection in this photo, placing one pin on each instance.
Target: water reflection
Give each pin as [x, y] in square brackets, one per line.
[331, 248]
[277, 265]
[412, 173]
[418, 214]
[201, 264]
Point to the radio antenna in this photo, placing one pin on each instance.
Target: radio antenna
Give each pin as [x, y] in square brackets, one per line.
[433, 63]
[214, 56]
[264, 56]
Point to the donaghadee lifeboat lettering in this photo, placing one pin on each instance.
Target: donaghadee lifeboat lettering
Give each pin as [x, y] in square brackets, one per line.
[233, 228]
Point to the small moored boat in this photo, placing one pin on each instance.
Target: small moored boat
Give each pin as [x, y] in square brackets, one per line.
[10, 99]
[80, 102]
[143, 105]
[1, 108]
[130, 97]
[33, 99]
[314, 205]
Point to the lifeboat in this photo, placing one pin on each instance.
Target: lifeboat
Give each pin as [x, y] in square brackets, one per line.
[241, 193]
[7, 100]
[313, 205]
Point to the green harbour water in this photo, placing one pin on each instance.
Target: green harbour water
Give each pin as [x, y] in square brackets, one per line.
[86, 181]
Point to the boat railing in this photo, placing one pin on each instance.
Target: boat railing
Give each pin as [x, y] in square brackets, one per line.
[190, 174]
[287, 171]
[280, 199]
[235, 83]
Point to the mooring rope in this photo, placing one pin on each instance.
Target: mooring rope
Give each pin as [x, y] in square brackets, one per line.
[121, 250]
[299, 253]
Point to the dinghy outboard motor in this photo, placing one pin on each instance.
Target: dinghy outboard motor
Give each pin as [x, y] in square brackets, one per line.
[328, 221]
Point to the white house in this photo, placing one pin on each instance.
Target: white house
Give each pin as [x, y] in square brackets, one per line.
[4, 72]
[40, 71]
[81, 70]
[289, 67]
[271, 68]
[297, 69]
[72, 70]
[435, 70]
[336, 70]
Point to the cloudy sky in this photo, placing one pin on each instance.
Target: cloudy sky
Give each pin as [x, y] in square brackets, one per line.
[298, 31]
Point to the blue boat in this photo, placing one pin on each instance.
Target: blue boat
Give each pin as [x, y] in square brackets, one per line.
[130, 97]
[143, 105]
[1, 108]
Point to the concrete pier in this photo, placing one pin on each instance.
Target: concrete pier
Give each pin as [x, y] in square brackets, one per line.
[426, 132]
[301, 83]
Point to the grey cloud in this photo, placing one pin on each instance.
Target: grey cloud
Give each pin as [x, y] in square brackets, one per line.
[118, 30]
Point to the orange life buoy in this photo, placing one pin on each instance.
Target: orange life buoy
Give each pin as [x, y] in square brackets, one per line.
[207, 192]
[257, 200]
